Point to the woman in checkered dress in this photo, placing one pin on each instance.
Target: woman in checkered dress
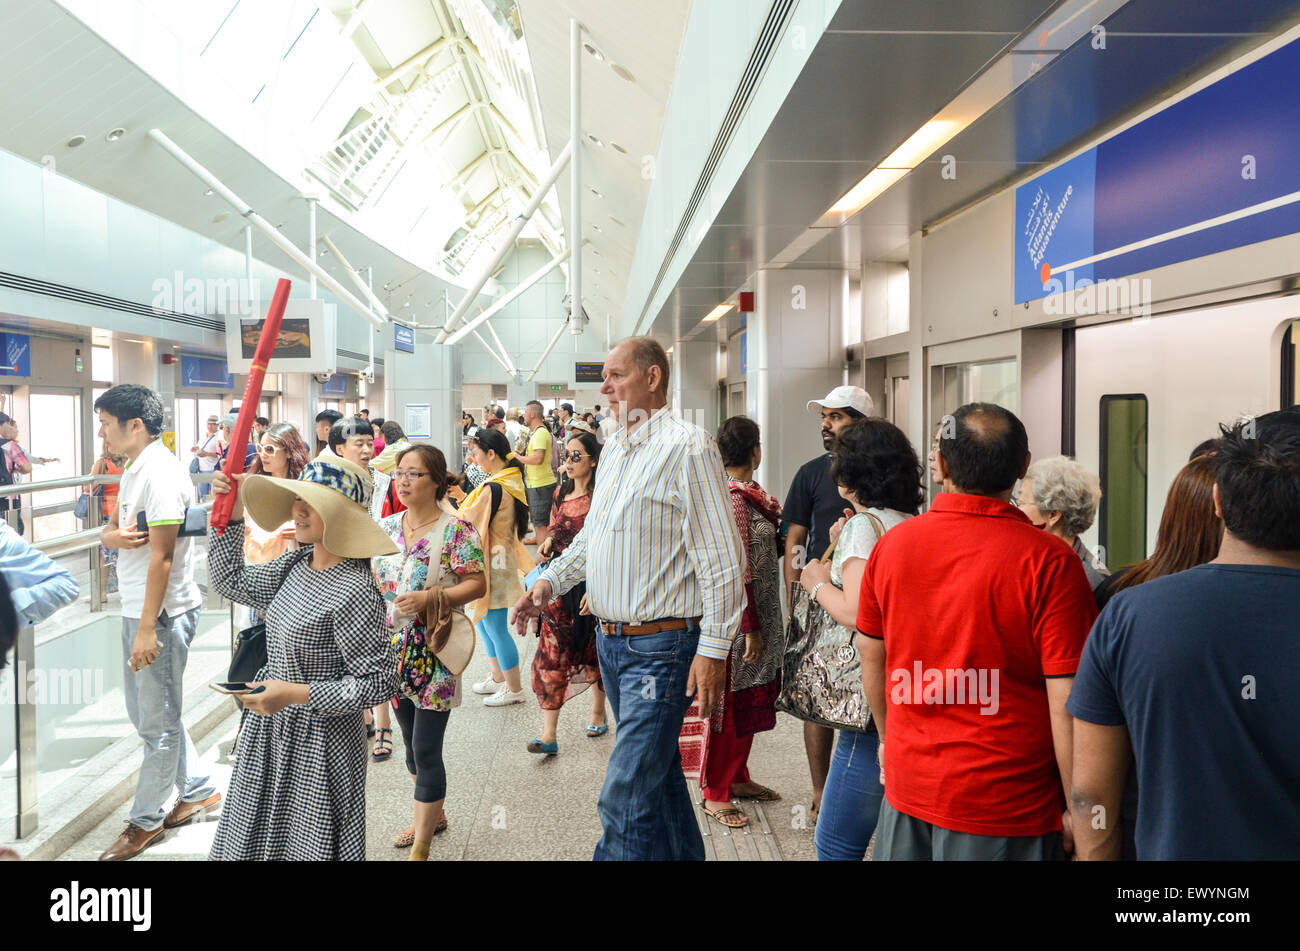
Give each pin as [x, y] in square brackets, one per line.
[299, 787]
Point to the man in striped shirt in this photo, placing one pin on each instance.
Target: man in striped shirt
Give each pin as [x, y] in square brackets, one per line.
[665, 575]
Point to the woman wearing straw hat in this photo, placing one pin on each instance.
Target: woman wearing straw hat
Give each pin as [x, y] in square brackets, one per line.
[498, 509]
[299, 787]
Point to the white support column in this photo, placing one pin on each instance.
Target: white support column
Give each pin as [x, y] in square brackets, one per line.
[311, 241]
[248, 258]
[575, 173]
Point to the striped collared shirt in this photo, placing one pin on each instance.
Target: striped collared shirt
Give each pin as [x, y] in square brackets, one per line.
[660, 540]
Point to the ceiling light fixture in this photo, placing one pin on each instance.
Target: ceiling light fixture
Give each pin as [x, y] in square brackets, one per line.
[718, 311]
[595, 141]
[622, 72]
[595, 227]
[597, 54]
[76, 141]
[208, 193]
[617, 222]
[115, 134]
[597, 193]
[617, 148]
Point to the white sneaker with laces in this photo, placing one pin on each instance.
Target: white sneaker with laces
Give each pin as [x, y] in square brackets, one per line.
[488, 686]
[504, 697]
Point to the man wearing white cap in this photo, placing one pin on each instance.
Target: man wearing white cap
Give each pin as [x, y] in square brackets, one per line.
[812, 506]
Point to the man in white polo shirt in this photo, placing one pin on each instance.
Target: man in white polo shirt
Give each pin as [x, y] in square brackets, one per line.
[160, 612]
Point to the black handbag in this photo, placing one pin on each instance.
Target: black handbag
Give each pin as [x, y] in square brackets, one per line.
[249, 655]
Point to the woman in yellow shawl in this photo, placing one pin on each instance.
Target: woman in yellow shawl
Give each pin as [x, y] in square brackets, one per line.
[506, 558]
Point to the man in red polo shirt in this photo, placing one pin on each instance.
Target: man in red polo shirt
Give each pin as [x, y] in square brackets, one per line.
[972, 622]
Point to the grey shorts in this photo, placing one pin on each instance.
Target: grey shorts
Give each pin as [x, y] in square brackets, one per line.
[900, 837]
[539, 504]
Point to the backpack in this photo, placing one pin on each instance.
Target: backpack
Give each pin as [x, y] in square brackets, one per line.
[6, 475]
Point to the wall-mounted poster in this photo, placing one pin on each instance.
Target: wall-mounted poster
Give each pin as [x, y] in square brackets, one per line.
[307, 342]
[418, 420]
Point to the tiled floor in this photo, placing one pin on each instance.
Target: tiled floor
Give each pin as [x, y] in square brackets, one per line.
[506, 803]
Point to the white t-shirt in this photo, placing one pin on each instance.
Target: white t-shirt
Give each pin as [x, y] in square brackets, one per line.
[607, 428]
[858, 538]
[209, 444]
[157, 484]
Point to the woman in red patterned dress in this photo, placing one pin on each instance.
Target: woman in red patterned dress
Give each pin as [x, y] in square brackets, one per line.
[565, 663]
[715, 748]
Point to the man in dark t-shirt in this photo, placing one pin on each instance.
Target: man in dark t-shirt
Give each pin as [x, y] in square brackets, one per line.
[812, 506]
[1196, 673]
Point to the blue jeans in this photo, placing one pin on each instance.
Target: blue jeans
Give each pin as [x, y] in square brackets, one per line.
[645, 809]
[851, 800]
[153, 702]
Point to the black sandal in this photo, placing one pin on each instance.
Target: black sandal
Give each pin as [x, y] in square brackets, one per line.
[380, 753]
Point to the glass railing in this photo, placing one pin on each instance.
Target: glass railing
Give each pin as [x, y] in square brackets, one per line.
[69, 728]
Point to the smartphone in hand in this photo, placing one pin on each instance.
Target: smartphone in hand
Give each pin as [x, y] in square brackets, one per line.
[235, 688]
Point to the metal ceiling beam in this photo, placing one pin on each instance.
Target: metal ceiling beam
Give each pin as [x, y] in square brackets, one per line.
[505, 353]
[356, 278]
[355, 19]
[549, 347]
[405, 66]
[493, 354]
[268, 229]
[505, 301]
[477, 285]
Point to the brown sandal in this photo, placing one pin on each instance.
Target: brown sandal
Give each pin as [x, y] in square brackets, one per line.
[406, 838]
[722, 817]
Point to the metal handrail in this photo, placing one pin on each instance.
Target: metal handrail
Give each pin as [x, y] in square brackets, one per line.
[70, 482]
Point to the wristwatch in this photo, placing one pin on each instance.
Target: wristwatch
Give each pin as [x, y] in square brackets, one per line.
[817, 587]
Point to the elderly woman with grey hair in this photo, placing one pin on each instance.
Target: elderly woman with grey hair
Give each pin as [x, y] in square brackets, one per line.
[1061, 497]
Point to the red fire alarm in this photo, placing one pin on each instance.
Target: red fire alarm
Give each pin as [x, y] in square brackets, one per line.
[746, 303]
[168, 359]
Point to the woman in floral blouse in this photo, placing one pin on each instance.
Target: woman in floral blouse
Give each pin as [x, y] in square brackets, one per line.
[428, 533]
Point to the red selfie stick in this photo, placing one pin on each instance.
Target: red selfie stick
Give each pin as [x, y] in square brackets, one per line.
[222, 504]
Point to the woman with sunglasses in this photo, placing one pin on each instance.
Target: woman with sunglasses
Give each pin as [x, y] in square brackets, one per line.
[281, 454]
[565, 663]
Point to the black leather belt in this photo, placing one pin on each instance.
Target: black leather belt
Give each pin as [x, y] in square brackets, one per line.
[623, 629]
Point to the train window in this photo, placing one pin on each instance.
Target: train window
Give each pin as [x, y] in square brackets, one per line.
[1290, 366]
[1122, 522]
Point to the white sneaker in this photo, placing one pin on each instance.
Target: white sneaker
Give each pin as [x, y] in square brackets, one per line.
[504, 697]
[488, 686]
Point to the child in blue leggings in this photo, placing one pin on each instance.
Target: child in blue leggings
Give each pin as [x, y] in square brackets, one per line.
[504, 657]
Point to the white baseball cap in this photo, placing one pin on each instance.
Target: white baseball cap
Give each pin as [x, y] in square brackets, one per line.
[851, 397]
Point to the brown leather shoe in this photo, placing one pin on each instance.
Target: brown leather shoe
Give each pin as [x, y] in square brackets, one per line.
[183, 811]
[131, 842]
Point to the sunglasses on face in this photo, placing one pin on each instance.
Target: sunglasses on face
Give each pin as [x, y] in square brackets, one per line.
[575, 456]
[267, 449]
